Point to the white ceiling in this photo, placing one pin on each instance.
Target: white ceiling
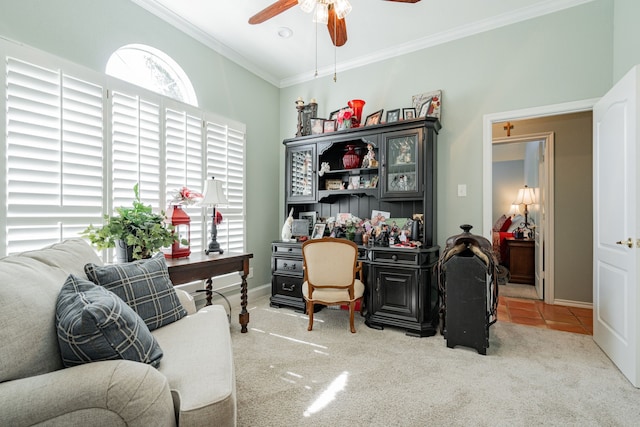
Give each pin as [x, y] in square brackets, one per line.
[376, 30]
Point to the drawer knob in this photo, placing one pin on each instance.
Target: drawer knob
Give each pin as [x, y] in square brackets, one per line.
[288, 288]
[289, 267]
[394, 257]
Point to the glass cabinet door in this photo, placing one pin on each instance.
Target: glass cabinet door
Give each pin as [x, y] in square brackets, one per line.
[300, 173]
[402, 170]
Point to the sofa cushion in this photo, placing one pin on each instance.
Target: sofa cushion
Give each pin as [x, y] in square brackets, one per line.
[198, 362]
[93, 324]
[29, 285]
[145, 286]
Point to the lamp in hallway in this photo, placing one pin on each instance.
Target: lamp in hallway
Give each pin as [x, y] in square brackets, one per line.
[213, 196]
[526, 196]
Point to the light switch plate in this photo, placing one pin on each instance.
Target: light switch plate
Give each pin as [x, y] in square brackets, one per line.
[462, 190]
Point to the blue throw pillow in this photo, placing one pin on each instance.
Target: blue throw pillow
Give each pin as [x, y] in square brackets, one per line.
[145, 286]
[93, 324]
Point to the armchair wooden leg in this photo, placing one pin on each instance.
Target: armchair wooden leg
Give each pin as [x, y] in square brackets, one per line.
[310, 314]
[352, 308]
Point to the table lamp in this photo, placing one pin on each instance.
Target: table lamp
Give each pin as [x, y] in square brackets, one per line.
[526, 196]
[213, 195]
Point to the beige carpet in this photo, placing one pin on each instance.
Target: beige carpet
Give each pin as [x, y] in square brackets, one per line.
[287, 376]
[517, 290]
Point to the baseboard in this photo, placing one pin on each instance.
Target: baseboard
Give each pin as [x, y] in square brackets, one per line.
[233, 295]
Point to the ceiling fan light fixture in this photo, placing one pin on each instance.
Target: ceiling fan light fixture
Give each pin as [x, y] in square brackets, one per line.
[307, 5]
[322, 13]
[342, 7]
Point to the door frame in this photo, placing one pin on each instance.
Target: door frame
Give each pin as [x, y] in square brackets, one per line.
[544, 240]
[487, 167]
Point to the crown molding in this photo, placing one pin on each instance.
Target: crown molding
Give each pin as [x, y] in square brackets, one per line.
[186, 27]
[539, 9]
[523, 14]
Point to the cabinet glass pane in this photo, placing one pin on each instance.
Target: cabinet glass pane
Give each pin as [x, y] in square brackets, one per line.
[401, 171]
[301, 173]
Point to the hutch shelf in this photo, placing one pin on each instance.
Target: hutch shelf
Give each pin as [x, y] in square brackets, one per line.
[395, 172]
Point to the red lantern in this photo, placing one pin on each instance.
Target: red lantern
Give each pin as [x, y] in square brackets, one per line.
[182, 228]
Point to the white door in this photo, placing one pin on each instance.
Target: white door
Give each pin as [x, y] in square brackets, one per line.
[541, 203]
[615, 268]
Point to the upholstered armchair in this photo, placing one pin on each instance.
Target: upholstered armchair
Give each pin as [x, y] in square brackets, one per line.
[330, 269]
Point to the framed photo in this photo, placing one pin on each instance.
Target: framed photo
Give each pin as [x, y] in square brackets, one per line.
[354, 182]
[393, 116]
[379, 217]
[317, 126]
[334, 114]
[408, 113]
[374, 119]
[311, 217]
[428, 104]
[318, 230]
[329, 126]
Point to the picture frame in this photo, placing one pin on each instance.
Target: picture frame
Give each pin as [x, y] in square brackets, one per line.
[329, 126]
[424, 108]
[408, 113]
[434, 106]
[334, 114]
[354, 182]
[318, 230]
[393, 115]
[317, 126]
[312, 217]
[379, 217]
[374, 119]
[300, 228]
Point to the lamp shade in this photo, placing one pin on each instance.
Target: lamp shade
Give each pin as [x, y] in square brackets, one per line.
[526, 196]
[213, 193]
[514, 210]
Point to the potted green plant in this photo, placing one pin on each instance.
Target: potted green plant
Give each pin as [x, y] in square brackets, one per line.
[135, 232]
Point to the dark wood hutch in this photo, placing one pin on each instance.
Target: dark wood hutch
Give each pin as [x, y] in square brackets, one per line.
[401, 287]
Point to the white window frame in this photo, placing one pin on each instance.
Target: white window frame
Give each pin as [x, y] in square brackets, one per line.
[236, 210]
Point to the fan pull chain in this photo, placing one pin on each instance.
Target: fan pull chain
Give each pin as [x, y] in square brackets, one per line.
[335, 49]
[316, 75]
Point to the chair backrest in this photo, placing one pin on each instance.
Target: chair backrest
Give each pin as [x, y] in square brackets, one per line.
[330, 261]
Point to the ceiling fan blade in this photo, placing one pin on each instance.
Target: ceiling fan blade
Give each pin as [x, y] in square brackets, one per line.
[337, 28]
[405, 1]
[270, 11]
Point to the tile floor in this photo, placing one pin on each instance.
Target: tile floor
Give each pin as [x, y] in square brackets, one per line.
[537, 313]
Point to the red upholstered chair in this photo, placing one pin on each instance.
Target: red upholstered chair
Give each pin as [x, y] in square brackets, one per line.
[330, 269]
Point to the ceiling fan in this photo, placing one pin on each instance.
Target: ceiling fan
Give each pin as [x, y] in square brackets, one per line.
[330, 12]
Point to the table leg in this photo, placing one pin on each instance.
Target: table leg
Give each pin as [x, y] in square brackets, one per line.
[208, 290]
[244, 314]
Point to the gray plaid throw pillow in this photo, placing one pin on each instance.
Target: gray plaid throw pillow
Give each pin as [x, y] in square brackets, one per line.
[145, 286]
[93, 324]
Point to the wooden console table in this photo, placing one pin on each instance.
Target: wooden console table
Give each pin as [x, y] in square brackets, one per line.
[199, 266]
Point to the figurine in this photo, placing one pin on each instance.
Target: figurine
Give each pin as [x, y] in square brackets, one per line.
[369, 160]
[287, 231]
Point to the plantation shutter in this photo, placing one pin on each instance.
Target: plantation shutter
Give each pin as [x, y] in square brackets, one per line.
[136, 150]
[184, 154]
[226, 162]
[54, 155]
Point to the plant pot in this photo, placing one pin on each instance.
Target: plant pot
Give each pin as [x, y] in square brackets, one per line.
[124, 253]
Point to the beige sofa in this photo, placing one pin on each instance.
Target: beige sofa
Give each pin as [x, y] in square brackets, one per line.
[194, 385]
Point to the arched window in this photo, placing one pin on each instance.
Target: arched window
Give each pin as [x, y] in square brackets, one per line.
[152, 69]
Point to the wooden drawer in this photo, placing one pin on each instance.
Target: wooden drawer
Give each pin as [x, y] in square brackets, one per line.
[287, 286]
[282, 249]
[407, 257]
[287, 266]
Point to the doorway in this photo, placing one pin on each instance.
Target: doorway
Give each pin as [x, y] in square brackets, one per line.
[518, 161]
[570, 293]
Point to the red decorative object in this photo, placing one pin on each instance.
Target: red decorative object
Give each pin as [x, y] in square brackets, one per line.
[351, 159]
[356, 105]
[182, 223]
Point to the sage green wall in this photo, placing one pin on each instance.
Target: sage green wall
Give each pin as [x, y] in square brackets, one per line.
[87, 32]
[562, 57]
[626, 37]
